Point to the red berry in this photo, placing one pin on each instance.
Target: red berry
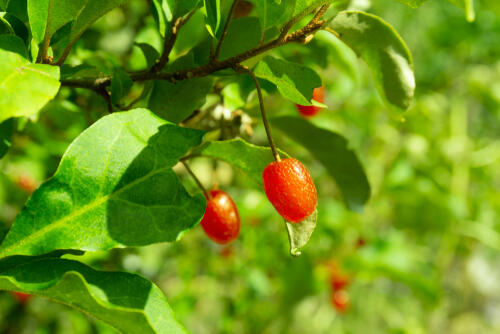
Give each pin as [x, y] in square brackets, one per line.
[290, 189]
[340, 300]
[221, 221]
[26, 183]
[308, 111]
[21, 296]
[339, 281]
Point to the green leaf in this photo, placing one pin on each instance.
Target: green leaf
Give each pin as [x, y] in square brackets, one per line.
[17, 26]
[251, 159]
[6, 131]
[120, 85]
[412, 3]
[149, 53]
[46, 16]
[294, 81]
[163, 13]
[333, 152]
[380, 46]
[14, 44]
[92, 10]
[212, 16]
[274, 13]
[114, 187]
[242, 35]
[300, 233]
[176, 102]
[25, 87]
[127, 302]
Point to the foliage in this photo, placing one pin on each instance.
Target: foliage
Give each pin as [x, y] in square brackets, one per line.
[101, 101]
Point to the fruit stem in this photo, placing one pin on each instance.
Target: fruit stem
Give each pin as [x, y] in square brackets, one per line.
[198, 182]
[262, 112]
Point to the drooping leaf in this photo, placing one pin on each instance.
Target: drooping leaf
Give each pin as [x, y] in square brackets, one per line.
[212, 16]
[46, 16]
[294, 81]
[25, 87]
[6, 131]
[149, 53]
[175, 102]
[251, 159]
[333, 152]
[163, 13]
[127, 302]
[300, 233]
[114, 187]
[412, 3]
[16, 25]
[380, 46]
[120, 85]
[242, 34]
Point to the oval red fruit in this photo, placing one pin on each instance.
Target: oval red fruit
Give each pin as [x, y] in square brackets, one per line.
[309, 111]
[221, 221]
[340, 300]
[290, 189]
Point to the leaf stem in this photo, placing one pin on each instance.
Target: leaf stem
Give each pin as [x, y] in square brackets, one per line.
[224, 31]
[274, 150]
[198, 182]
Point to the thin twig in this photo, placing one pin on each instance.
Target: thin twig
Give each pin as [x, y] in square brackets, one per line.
[205, 192]
[203, 70]
[244, 69]
[169, 42]
[224, 31]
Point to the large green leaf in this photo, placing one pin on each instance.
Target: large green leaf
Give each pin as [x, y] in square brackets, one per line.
[383, 50]
[333, 152]
[47, 16]
[274, 13]
[25, 87]
[251, 159]
[176, 101]
[114, 187]
[129, 303]
[6, 131]
[294, 81]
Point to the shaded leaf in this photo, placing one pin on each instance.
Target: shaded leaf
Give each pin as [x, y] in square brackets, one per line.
[176, 102]
[380, 46]
[149, 53]
[6, 131]
[17, 26]
[332, 151]
[25, 87]
[294, 81]
[120, 85]
[163, 13]
[300, 233]
[14, 44]
[127, 302]
[114, 187]
[212, 16]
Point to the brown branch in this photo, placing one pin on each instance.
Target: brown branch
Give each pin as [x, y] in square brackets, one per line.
[224, 31]
[211, 67]
[169, 42]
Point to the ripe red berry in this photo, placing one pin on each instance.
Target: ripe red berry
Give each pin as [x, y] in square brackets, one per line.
[221, 221]
[339, 281]
[290, 189]
[21, 296]
[309, 111]
[340, 300]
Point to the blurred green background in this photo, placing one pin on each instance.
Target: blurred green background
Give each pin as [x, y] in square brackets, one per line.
[430, 261]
